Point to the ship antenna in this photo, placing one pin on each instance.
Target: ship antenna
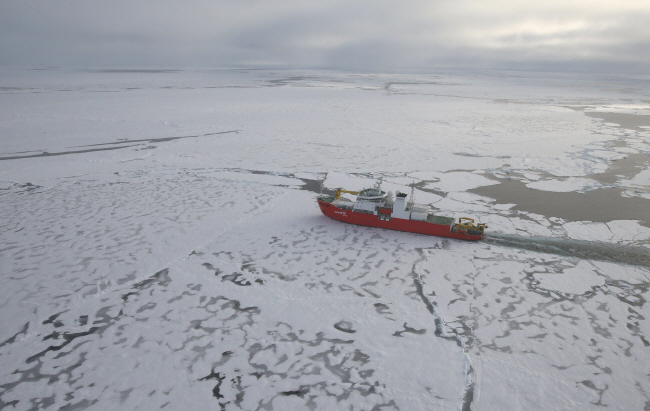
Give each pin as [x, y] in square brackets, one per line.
[413, 193]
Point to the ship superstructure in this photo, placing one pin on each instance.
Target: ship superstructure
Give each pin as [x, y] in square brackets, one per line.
[376, 208]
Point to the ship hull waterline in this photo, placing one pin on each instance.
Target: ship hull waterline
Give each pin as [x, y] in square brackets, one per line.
[397, 224]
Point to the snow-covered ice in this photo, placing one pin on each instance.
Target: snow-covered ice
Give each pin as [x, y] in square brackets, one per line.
[161, 246]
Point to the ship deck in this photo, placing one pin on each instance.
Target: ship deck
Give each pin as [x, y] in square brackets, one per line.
[346, 204]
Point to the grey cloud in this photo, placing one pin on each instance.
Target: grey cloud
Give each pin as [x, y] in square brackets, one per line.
[364, 35]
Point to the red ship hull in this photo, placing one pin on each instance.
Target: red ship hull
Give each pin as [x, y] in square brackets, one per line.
[398, 224]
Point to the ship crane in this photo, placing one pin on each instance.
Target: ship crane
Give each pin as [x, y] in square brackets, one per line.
[467, 224]
[340, 190]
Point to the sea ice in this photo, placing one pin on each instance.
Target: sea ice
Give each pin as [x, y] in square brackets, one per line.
[459, 181]
[162, 247]
[575, 280]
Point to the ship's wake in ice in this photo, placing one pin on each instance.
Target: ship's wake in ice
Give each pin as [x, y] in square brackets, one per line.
[588, 250]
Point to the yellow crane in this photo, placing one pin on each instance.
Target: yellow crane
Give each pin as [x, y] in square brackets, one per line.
[465, 224]
[340, 190]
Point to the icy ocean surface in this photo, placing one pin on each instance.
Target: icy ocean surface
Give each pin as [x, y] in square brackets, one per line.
[161, 246]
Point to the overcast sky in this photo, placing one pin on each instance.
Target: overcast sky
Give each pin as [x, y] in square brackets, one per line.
[359, 35]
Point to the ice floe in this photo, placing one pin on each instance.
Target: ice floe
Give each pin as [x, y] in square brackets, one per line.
[565, 186]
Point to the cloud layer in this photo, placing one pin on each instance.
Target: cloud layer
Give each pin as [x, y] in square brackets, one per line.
[364, 35]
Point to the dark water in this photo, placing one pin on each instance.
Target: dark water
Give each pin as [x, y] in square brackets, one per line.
[624, 168]
[602, 205]
[624, 120]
